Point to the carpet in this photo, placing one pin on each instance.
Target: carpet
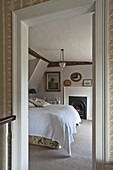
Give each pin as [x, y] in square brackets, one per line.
[42, 158]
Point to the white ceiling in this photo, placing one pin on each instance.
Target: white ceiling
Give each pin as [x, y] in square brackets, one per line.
[73, 34]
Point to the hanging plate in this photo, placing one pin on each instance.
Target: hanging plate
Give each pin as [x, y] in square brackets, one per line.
[76, 76]
[67, 82]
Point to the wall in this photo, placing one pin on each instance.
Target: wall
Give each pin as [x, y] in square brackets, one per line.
[6, 8]
[85, 70]
[37, 73]
[32, 64]
[110, 54]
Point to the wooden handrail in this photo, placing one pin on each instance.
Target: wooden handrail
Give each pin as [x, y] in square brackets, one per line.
[7, 119]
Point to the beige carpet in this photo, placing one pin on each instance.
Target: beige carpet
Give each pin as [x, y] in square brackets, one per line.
[42, 158]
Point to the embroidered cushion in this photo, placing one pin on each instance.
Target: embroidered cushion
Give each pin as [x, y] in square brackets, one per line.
[30, 105]
[39, 102]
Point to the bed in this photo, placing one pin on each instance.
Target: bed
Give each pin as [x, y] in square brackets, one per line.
[54, 122]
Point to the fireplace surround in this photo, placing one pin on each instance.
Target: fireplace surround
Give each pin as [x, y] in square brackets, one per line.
[80, 92]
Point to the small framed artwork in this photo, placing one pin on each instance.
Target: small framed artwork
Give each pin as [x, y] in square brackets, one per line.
[87, 82]
[52, 81]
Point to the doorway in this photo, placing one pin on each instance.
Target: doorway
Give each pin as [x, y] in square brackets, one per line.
[43, 40]
[20, 77]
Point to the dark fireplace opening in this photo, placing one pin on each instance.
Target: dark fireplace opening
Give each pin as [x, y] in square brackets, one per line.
[80, 104]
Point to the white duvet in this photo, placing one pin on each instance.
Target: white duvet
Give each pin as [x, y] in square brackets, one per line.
[56, 122]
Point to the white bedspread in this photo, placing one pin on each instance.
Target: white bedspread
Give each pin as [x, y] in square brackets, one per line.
[56, 122]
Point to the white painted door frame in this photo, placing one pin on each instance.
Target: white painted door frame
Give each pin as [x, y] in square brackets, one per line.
[22, 20]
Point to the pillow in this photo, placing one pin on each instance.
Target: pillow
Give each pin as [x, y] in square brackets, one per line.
[45, 103]
[39, 102]
[30, 104]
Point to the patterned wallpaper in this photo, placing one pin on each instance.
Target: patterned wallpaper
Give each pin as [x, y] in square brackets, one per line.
[6, 51]
[6, 8]
[111, 78]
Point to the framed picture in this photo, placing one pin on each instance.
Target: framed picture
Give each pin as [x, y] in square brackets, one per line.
[87, 82]
[52, 81]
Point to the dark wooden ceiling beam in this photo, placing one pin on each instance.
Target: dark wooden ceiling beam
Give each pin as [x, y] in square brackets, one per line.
[69, 63]
[35, 54]
[56, 63]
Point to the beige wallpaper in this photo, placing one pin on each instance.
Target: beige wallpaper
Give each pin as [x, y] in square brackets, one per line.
[6, 51]
[6, 7]
[111, 77]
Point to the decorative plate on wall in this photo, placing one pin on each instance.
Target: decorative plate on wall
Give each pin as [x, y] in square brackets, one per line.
[76, 76]
[67, 82]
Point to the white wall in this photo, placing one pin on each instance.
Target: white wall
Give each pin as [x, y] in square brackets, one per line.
[31, 66]
[85, 70]
[37, 74]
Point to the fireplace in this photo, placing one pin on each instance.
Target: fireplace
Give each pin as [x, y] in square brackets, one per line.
[80, 104]
[80, 92]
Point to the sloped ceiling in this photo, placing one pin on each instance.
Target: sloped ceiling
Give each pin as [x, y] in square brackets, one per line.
[74, 35]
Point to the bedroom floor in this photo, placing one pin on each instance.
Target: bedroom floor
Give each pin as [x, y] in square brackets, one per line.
[42, 158]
